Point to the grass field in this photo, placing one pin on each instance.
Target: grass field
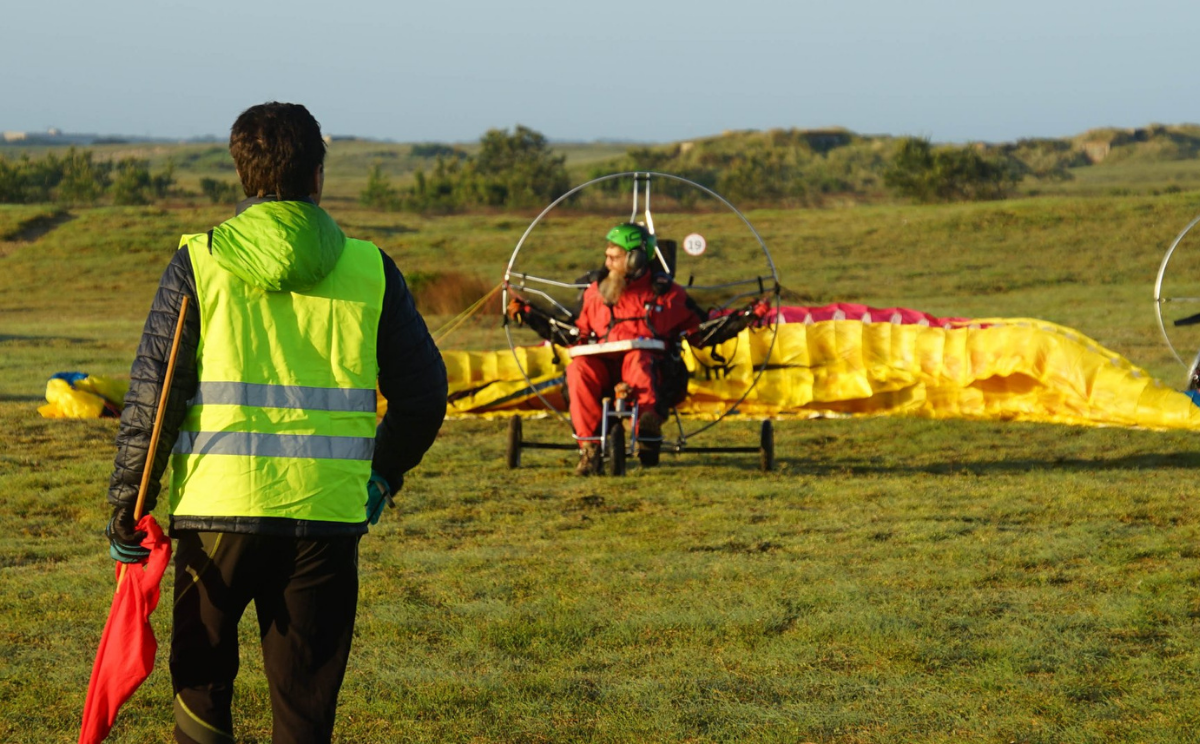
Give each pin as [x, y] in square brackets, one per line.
[895, 579]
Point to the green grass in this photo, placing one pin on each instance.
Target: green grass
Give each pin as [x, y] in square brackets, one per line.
[1129, 177]
[16, 220]
[896, 579]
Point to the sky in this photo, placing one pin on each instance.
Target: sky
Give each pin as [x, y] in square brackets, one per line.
[647, 71]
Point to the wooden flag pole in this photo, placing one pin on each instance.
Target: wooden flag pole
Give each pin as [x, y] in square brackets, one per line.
[157, 430]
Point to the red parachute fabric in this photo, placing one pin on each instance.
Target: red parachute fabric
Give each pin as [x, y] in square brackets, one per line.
[127, 648]
[865, 313]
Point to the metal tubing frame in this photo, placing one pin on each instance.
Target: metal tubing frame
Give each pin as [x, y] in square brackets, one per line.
[675, 448]
[558, 305]
[543, 280]
[672, 448]
[1159, 299]
[647, 175]
[606, 412]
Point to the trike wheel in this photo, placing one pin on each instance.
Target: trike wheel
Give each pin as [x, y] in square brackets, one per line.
[614, 449]
[766, 447]
[512, 455]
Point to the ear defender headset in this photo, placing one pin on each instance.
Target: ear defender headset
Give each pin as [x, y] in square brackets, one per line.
[637, 242]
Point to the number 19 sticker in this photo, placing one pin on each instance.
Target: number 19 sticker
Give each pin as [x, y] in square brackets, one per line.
[694, 244]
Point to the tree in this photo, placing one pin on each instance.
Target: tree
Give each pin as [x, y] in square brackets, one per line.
[511, 170]
[518, 169]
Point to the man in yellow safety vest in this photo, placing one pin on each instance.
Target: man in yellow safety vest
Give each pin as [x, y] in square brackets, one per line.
[278, 465]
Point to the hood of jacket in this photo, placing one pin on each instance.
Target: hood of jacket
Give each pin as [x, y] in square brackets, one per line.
[279, 246]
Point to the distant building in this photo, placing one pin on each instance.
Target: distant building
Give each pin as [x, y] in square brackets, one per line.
[53, 136]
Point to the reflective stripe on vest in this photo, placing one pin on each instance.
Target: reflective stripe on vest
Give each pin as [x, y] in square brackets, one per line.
[283, 421]
[284, 396]
[274, 445]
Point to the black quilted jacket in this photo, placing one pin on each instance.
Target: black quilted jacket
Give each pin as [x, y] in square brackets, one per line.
[412, 378]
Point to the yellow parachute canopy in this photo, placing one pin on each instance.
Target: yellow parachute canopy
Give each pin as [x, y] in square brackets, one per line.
[996, 369]
[77, 395]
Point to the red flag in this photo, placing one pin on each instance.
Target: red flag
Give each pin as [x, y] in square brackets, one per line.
[127, 648]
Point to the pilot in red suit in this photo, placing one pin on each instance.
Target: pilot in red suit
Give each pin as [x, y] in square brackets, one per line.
[629, 302]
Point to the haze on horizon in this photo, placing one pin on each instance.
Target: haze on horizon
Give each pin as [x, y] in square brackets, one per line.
[640, 71]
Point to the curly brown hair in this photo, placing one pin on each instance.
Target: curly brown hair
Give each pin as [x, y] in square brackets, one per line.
[277, 148]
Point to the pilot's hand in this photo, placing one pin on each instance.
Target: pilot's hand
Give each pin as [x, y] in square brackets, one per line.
[515, 310]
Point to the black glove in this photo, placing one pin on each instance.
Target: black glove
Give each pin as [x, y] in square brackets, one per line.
[124, 541]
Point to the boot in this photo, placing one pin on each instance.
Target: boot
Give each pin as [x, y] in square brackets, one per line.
[589, 459]
[649, 426]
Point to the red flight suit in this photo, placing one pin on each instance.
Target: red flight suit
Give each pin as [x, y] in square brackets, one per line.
[639, 313]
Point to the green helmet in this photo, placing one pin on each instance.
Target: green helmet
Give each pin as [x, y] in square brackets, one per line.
[630, 236]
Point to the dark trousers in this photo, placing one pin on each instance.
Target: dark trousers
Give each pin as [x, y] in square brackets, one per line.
[305, 592]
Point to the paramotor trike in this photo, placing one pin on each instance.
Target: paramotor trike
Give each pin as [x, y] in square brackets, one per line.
[729, 278]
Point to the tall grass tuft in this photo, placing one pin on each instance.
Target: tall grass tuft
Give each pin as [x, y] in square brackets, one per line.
[451, 292]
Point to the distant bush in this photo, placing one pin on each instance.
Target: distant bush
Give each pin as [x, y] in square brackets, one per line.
[134, 184]
[77, 177]
[160, 184]
[379, 192]
[924, 174]
[28, 181]
[83, 179]
[436, 150]
[221, 192]
[514, 170]
[440, 191]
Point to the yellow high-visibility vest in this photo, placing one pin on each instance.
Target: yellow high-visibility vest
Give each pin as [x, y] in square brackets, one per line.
[283, 421]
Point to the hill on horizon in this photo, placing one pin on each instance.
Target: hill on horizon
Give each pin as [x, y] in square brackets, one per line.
[791, 167]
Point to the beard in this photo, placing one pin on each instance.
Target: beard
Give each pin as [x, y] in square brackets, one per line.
[612, 286]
